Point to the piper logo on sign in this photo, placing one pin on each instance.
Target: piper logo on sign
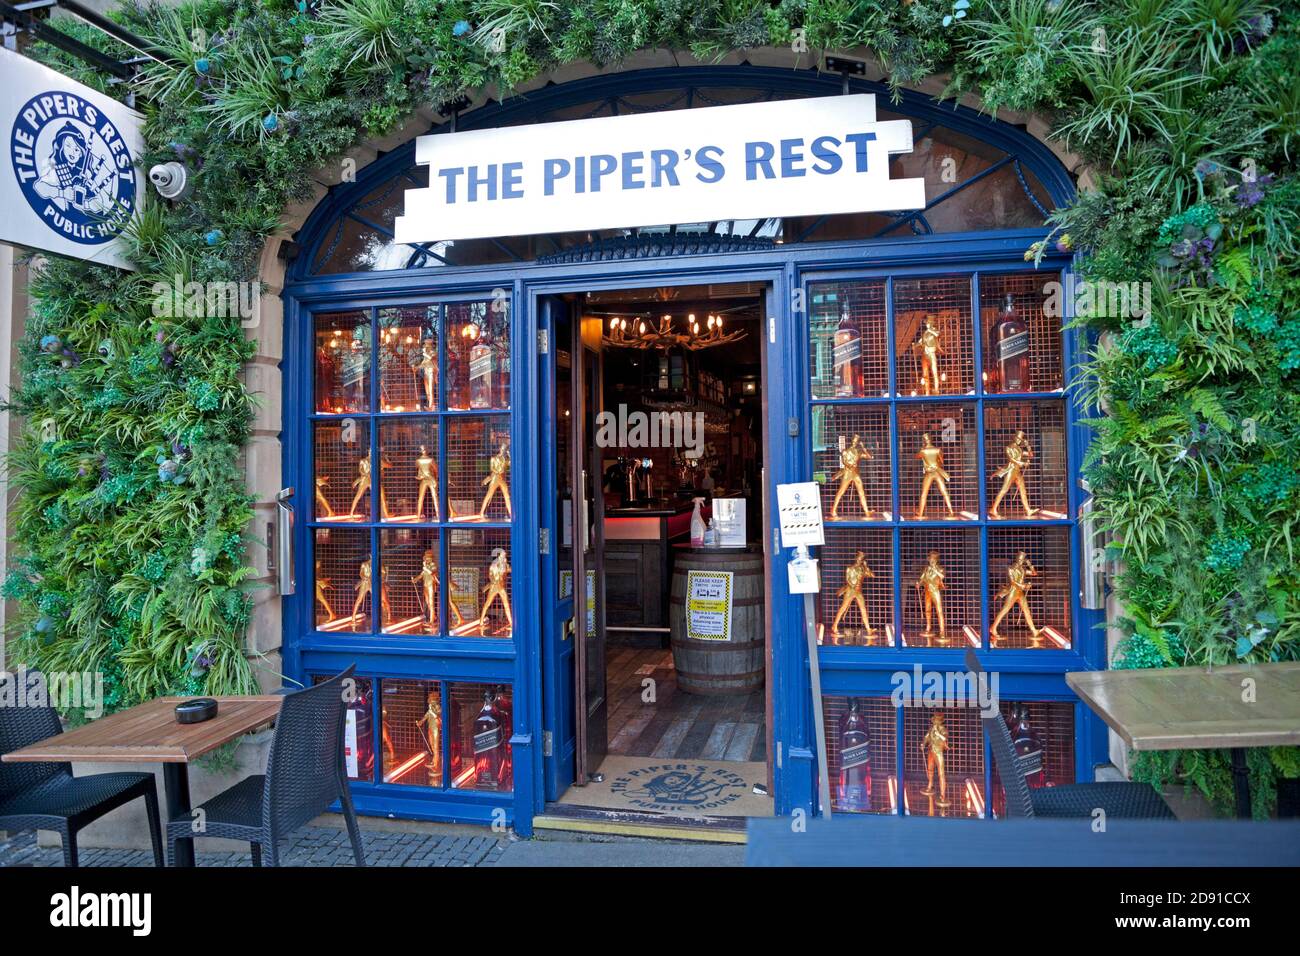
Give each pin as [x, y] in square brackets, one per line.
[71, 185]
[760, 160]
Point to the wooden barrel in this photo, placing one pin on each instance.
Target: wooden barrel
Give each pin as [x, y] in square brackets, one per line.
[719, 668]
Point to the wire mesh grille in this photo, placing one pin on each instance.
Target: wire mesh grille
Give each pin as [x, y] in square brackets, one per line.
[951, 447]
[1010, 430]
[479, 583]
[342, 579]
[1047, 574]
[478, 473]
[959, 791]
[941, 576]
[857, 571]
[851, 461]
[411, 581]
[358, 730]
[342, 357]
[478, 354]
[848, 340]
[1048, 725]
[408, 359]
[1003, 351]
[409, 472]
[932, 336]
[869, 784]
[480, 727]
[341, 463]
[412, 732]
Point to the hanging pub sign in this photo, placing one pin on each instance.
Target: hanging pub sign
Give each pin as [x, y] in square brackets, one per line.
[68, 183]
[759, 160]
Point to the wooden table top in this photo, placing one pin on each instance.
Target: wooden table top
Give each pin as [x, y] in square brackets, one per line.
[1194, 708]
[149, 733]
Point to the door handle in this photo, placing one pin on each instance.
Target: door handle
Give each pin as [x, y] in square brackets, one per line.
[284, 542]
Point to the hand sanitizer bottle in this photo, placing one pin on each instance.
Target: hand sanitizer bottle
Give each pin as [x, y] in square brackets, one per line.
[697, 525]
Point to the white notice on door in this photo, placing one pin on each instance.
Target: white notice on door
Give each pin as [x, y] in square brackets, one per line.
[800, 508]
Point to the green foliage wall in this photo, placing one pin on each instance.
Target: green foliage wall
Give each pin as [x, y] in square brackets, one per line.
[1189, 111]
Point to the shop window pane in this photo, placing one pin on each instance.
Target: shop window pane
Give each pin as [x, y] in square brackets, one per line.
[1029, 588]
[408, 359]
[934, 351]
[860, 739]
[351, 246]
[1020, 321]
[412, 724]
[478, 354]
[856, 603]
[342, 580]
[941, 587]
[480, 602]
[341, 462]
[478, 469]
[409, 472]
[851, 461]
[1025, 458]
[848, 340]
[342, 370]
[943, 762]
[358, 729]
[410, 582]
[480, 737]
[938, 452]
[1043, 733]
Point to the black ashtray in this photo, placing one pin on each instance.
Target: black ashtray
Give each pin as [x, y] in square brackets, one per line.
[196, 711]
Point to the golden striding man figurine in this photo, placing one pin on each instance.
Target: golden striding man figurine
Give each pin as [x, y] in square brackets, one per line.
[855, 576]
[934, 745]
[498, 467]
[323, 585]
[362, 588]
[1019, 453]
[849, 475]
[496, 589]
[361, 483]
[1016, 593]
[932, 473]
[928, 347]
[428, 369]
[930, 585]
[431, 736]
[426, 472]
[326, 509]
[385, 606]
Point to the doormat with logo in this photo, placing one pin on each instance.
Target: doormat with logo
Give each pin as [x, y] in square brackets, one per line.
[677, 788]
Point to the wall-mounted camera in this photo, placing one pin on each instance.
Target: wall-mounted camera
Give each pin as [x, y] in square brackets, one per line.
[172, 180]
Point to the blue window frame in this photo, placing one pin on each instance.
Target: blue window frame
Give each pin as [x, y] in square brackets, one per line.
[445, 659]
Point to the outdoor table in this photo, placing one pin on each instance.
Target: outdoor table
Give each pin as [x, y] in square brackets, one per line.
[149, 733]
[860, 839]
[1198, 708]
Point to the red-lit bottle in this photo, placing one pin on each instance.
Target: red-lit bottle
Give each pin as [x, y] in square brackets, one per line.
[1010, 346]
[847, 357]
[488, 752]
[502, 704]
[855, 761]
[358, 738]
[1028, 747]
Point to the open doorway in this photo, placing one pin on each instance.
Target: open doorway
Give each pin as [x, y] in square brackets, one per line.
[660, 414]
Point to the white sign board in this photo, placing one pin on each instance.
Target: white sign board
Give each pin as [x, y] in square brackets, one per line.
[708, 605]
[68, 181]
[790, 158]
[800, 508]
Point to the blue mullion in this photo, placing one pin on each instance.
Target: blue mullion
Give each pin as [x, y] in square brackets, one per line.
[376, 479]
[435, 525]
[376, 730]
[898, 760]
[895, 468]
[444, 742]
[444, 554]
[980, 465]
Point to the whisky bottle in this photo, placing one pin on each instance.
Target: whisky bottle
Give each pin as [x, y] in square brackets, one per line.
[847, 357]
[503, 707]
[482, 362]
[1029, 749]
[1010, 346]
[855, 761]
[487, 746]
[358, 738]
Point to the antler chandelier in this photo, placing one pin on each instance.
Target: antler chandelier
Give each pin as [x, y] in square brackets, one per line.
[637, 333]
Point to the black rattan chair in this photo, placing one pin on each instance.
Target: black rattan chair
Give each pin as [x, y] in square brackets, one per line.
[46, 796]
[1119, 799]
[304, 775]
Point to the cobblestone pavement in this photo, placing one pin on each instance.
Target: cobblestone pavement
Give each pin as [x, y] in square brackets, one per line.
[310, 846]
